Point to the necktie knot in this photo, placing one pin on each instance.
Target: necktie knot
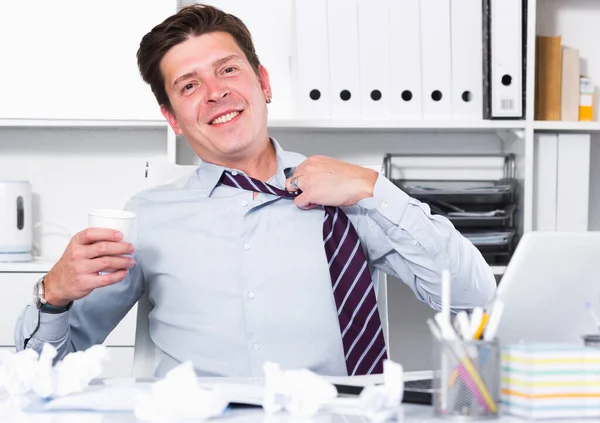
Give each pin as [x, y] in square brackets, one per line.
[242, 181]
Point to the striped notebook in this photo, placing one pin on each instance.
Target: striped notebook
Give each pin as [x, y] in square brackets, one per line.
[551, 381]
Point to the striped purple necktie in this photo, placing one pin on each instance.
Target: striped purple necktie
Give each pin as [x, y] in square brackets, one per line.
[353, 290]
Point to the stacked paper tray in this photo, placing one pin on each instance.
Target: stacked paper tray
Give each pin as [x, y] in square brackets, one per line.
[551, 381]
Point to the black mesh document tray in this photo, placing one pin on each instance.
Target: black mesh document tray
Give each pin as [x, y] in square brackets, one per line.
[491, 243]
[475, 215]
[500, 191]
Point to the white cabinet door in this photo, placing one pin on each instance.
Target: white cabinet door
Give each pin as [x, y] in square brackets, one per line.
[76, 59]
[16, 292]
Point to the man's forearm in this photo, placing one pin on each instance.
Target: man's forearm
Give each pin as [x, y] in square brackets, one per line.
[404, 239]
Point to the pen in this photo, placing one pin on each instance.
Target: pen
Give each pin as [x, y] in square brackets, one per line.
[478, 322]
[446, 294]
[445, 315]
[593, 314]
[490, 330]
[481, 319]
[479, 331]
[476, 317]
[464, 328]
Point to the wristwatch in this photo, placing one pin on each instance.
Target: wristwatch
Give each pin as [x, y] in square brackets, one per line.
[40, 301]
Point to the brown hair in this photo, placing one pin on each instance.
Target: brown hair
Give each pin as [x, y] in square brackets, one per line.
[190, 21]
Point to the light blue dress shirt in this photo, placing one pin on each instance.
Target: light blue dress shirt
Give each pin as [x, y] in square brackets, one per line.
[237, 281]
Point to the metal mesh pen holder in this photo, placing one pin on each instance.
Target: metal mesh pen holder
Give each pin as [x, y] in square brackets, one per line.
[466, 379]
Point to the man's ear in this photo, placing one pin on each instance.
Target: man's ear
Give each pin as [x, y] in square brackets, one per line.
[170, 117]
[265, 83]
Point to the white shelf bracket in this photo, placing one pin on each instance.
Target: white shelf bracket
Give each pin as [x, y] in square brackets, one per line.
[510, 135]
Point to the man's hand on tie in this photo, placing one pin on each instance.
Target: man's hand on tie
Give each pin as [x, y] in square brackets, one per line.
[328, 182]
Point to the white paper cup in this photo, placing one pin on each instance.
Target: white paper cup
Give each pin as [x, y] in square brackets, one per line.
[119, 220]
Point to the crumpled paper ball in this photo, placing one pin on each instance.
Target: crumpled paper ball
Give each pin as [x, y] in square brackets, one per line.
[26, 371]
[300, 392]
[381, 402]
[26, 374]
[179, 396]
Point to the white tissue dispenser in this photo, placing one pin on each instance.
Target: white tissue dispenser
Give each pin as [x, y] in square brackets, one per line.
[16, 234]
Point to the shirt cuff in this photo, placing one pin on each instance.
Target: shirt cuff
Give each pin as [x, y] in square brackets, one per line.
[52, 327]
[387, 205]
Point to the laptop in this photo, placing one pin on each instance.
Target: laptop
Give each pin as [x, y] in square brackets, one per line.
[546, 285]
[544, 289]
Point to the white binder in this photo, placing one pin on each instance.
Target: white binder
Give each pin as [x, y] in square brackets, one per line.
[467, 72]
[573, 182]
[544, 192]
[506, 62]
[405, 60]
[374, 57]
[435, 59]
[311, 60]
[344, 76]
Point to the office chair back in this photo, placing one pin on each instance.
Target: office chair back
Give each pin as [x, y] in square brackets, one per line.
[145, 354]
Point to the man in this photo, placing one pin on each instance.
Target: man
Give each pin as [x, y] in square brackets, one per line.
[235, 268]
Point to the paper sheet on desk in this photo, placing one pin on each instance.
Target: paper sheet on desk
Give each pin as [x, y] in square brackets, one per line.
[98, 398]
[122, 397]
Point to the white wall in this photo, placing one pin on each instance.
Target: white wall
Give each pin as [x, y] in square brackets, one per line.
[73, 170]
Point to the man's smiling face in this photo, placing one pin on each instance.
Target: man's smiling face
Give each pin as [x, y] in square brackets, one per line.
[218, 100]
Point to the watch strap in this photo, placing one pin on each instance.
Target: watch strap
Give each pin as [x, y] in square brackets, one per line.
[50, 309]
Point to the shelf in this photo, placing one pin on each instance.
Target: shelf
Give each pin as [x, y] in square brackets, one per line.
[416, 125]
[566, 126]
[81, 123]
[35, 266]
[290, 124]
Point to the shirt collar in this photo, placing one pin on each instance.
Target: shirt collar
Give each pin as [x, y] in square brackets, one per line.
[209, 174]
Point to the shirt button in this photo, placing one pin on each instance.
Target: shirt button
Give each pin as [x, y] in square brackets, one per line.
[256, 347]
[234, 172]
[246, 246]
[251, 295]
[244, 203]
[415, 242]
[384, 205]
